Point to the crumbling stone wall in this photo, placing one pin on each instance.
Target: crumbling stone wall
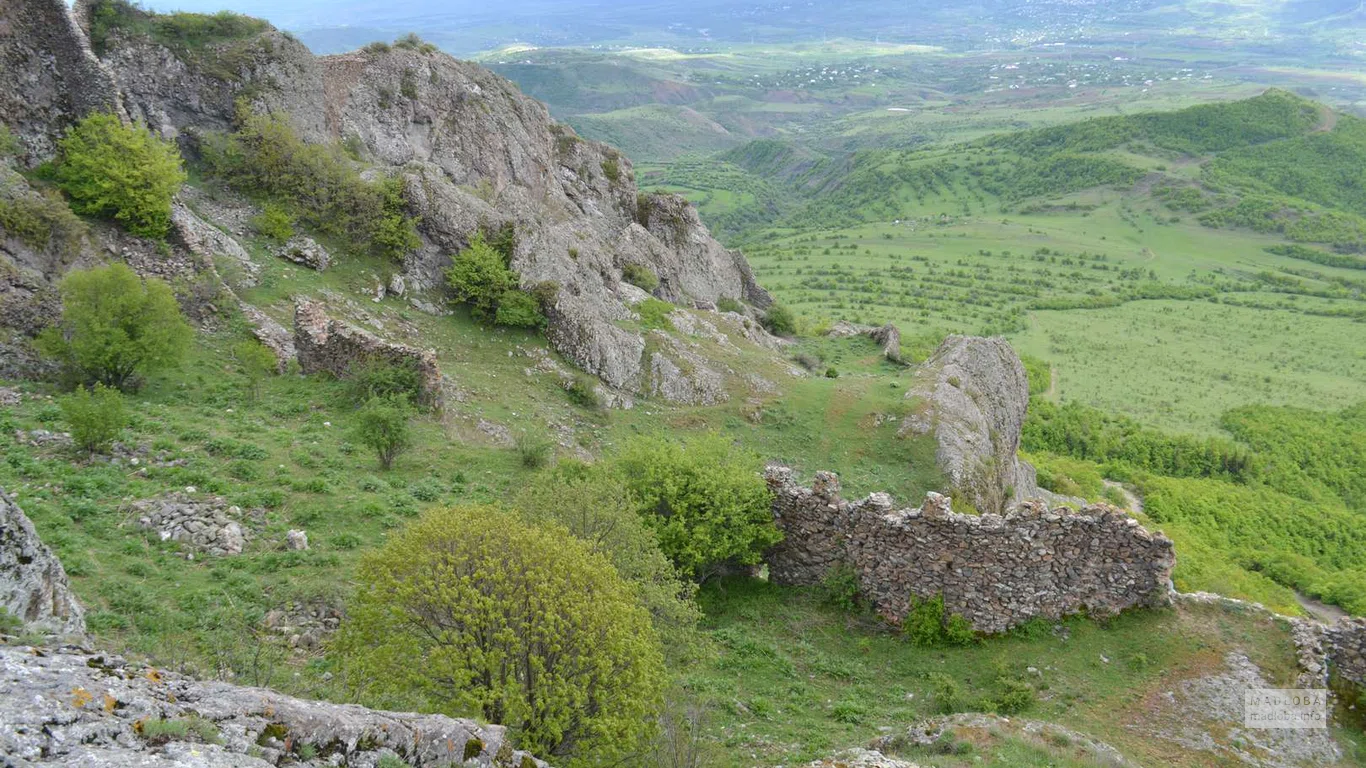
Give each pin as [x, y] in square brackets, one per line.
[997, 571]
[324, 344]
[1345, 644]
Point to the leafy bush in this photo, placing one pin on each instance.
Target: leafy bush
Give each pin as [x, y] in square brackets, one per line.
[655, 314]
[95, 416]
[533, 450]
[780, 321]
[727, 304]
[597, 507]
[480, 276]
[382, 426]
[832, 373]
[1039, 373]
[115, 328]
[840, 588]
[257, 362]
[704, 499]
[471, 611]
[947, 693]
[611, 168]
[640, 276]
[125, 173]
[41, 220]
[274, 222]
[583, 392]
[929, 624]
[316, 182]
[385, 379]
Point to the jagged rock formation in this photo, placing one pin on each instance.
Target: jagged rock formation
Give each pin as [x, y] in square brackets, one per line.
[995, 571]
[475, 154]
[324, 344]
[51, 76]
[971, 395]
[33, 584]
[888, 336]
[71, 707]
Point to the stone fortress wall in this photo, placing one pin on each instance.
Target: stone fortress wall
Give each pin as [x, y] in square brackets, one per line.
[997, 571]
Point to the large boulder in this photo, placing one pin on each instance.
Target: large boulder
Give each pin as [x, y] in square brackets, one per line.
[971, 395]
[71, 707]
[33, 584]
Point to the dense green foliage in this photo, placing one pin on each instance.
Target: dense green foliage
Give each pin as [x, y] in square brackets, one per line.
[471, 610]
[597, 506]
[121, 172]
[116, 328]
[1317, 256]
[654, 313]
[382, 426]
[95, 416]
[316, 183]
[1076, 430]
[703, 498]
[257, 363]
[1314, 455]
[42, 220]
[1322, 167]
[480, 277]
[780, 321]
[274, 222]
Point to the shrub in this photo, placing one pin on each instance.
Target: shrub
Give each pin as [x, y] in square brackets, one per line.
[948, 695]
[480, 277]
[727, 304]
[9, 145]
[95, 416]
[471, 611]
[317, 182]
[655, 314]
[840, 588]
[372, 378]
[125, 173]
[274, 222]
[257, 363]
[42, 220]
[583, 392]
[640, 276]
[115, 328]
[157, 731]
[780, 321]
[832, 373]
[534, 451]
[1016, 696]
[597, 507]
[611, 168]
[704, 499]
[929, 624]
[382, 426]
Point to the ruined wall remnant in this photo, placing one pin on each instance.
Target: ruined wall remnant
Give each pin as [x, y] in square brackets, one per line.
[1345, 644]
[997, 571]
[324, 344]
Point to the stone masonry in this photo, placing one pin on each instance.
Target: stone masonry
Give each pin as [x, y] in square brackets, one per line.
[997, 571]
[1345, 644]
[324, 344]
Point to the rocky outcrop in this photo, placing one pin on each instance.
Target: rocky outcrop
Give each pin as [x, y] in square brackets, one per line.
[861, 758]
[995, 571]
[306, 252]
[70, 707]
[51, 77]
[971, 395]
[33, 584]
[887, 336]
[324, 344]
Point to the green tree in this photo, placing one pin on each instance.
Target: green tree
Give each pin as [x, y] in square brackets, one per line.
[704, 499]
[95, 416]
[116, 328]
[382, 425]
[121, 172]
[472, 611]
[479, 277]
[597, 507]
[257, 362]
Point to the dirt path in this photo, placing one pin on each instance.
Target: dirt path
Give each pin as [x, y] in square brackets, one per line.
[1328, 120]
[1324, 612]
[1132, 501]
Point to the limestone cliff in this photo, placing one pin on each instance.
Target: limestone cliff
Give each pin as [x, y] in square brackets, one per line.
[33, 585]
[473, 151]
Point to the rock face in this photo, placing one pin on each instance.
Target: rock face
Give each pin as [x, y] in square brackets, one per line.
[33, 584]
[305, 251]
[971, 395]
[323, 344]
[995, 571]
[73, 708]
[51, 76]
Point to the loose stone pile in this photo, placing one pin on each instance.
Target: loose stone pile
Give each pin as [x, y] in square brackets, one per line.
[207, 524]
[996, 571]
